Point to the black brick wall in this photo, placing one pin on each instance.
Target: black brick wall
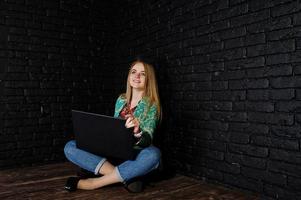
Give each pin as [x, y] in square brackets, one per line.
[52, 55]
[228, 70]
[229, 73]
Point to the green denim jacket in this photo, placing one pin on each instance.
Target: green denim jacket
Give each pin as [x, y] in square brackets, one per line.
[147, 116]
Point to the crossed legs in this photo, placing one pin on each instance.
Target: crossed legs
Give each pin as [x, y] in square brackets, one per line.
[147, 160]
[110, 176]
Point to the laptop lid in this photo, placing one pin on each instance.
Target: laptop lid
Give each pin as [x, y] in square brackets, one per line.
[103, 135]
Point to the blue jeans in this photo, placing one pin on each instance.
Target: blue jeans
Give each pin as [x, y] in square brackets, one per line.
[147, 160]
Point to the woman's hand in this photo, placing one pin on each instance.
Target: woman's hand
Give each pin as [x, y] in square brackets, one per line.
[132, 122]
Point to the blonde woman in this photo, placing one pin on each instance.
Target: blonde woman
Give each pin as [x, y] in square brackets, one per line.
[140, 106]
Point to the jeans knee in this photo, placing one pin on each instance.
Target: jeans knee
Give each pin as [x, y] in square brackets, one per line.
[69, 147]
[154, 155]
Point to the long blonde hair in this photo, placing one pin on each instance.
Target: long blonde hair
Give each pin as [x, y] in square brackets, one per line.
[150, 86]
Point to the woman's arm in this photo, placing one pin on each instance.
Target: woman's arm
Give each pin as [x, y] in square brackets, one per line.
[147, 126]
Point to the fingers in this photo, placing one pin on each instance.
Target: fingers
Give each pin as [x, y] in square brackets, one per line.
[127, 116]
[131, 122]
[136, 129]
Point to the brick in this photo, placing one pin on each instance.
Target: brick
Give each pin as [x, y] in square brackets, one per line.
[215, 155]
[3, 65]
[228, 116]
[4, 36]
[8, 146]
[243, 182]
[282, 94]
[228, 75]
[229, 95]
[225, 106]
[298, 94]
[253, 39]
[260, 106]
[234, 2]
[217, 145]
[285, 168]
[239, 106]
[214, 125]
[203, 96]
[229, 12]
[258, 94]
[291, 106]
[284, 9]
[239, 137]
[250, 18]
[213, 174]
[245, 63]
[297, 69]
[289, 144]
[270, 177]
[234, 54]
[228, 34]
[286, 131]
[238, 126]
[236, 42]
[285, 82]
[254, 162]
[215, 26]
[272, 48]
[294, 183]
[269, 71]
[281, 46]
[270, 25]
[295, 56]
[210, 67]
[197, 77]
[282, 34]
[245, 160]
[233, 168]
[248, 83]
[258, 5]
[219, 85]
[278, 59]
[297, 19]
[287, 156]
[249, 150]
[271, 118]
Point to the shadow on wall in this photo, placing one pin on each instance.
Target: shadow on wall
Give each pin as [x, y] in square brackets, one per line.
[163, 137]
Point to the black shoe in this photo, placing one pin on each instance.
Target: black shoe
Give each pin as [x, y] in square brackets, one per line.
[134, 186]
[71, 184]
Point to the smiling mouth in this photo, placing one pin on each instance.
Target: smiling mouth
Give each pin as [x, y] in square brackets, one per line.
[135, 81]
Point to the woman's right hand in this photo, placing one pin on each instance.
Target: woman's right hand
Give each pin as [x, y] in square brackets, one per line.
[132, 122]
[129, 123]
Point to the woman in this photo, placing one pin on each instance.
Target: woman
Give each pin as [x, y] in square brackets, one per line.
[140, 106]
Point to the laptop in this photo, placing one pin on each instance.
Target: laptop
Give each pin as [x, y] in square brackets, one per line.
[103, 135]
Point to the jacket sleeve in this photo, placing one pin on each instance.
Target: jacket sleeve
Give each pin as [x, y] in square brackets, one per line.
[147, 126]
[117, 105]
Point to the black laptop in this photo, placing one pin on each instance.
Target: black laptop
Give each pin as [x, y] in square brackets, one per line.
[103, 135]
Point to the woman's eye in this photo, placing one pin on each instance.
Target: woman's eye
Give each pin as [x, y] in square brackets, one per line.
[133, 72]
[142, 74]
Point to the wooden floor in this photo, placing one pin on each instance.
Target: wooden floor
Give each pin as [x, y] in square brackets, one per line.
[46, 182]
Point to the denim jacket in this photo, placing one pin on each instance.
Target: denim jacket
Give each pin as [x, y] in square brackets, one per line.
[147, 116]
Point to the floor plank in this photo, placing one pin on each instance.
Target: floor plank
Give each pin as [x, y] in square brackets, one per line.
[46, 182]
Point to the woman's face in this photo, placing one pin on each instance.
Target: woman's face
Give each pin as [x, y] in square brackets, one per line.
[137, 76]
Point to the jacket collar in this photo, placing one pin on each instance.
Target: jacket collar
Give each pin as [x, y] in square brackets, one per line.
[144, 101]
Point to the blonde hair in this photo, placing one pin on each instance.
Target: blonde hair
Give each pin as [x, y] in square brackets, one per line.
[150, 86]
